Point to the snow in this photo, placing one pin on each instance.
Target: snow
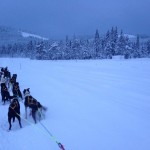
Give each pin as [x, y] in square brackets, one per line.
[25, 34]
[130, 36]
[118, 57]
[92, 105]
[55, 44]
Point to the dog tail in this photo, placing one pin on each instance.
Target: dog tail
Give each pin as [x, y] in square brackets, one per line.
[44, 108]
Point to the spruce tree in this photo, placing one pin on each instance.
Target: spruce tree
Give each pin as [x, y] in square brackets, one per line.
[121, 45]
[148, 47]
[107, 46]
[137, 52]
[97, 44]
[40, 50]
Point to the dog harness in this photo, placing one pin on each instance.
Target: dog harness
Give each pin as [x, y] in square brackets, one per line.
[5, 89]
[16, 88]
[15, 105]
[32, 101]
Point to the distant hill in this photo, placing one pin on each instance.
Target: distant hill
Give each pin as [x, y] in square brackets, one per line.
[10, 35]
[143, 38]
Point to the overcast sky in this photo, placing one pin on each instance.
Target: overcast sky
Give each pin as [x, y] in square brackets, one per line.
[58, 18]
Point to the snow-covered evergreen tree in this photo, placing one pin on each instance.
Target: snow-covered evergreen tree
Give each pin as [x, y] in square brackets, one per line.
[9, 49]
[3, 50]
[30, 49]
[137, 50]
[86, 53]
[148, 48]
[107, 46]
[79, 48]
[14, 50]
[76, 49]
[67, 49]
[40, 51]
[97, 44]
[113, 40]
[121, 45]
[128, 49]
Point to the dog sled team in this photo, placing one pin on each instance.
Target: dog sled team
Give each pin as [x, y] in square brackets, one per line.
[10, 92]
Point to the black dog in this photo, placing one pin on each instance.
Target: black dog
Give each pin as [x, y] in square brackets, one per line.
[13, 80]
[14, 111]
[7, 74]
[4, 93]
[33, 104]
[16, 90]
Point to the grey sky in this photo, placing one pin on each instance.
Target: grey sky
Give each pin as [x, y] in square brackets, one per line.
[58, 18]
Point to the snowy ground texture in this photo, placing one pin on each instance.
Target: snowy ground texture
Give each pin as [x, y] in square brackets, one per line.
[92, 105]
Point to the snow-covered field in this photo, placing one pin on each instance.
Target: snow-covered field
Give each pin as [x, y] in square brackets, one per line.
[92, 105]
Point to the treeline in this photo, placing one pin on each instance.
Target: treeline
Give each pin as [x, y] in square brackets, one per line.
[105, 47]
